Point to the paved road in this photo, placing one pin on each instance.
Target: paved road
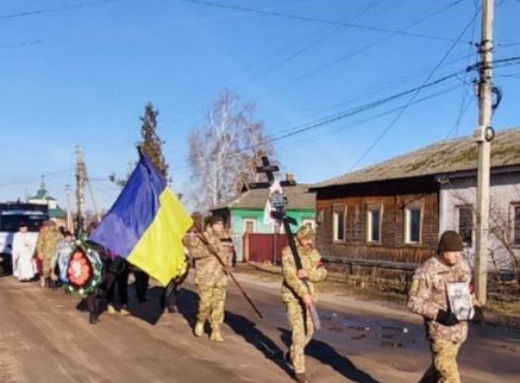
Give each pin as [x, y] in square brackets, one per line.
[44, 338]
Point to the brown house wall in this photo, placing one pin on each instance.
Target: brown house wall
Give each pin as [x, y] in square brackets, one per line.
[394, 197]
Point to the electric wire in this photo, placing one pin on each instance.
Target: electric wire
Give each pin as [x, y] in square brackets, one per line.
[415, 94]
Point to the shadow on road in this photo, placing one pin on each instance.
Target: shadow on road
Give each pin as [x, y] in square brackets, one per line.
[329, 356]
[149, 311]
[187, 302]
[252, 335]
[187, 305]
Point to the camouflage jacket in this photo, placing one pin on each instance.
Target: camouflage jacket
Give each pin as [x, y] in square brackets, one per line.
[208, 270]
[428, 295]
[293, 288]
[47, 244]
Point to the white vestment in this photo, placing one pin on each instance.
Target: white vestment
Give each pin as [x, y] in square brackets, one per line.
[24, 247]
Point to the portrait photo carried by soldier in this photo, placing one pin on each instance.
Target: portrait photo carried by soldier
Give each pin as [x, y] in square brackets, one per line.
[428, 297]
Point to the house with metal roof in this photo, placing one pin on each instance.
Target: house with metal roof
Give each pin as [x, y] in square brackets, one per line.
[396, 210]
[56, 213]
[245, 212]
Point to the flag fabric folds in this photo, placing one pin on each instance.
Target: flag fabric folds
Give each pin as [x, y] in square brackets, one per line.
[146, 224]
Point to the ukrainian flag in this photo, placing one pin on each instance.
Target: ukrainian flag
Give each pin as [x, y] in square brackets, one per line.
[146, 224]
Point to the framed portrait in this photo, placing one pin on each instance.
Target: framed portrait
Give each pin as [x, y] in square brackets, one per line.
[460, 300]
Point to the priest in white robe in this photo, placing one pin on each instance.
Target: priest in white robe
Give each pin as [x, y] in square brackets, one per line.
[24, 247]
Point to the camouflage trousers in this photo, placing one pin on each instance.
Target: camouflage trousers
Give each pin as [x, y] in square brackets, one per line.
[46, 262]
[211, 304]
[444, 367]
[300, 337]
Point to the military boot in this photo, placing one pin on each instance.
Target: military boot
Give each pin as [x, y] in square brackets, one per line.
[199, 329]
[111, 309]
[124, 311]
[93, 318]
[301, 377]
[215, 335]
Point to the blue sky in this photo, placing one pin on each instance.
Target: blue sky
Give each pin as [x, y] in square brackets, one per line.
[82, 75]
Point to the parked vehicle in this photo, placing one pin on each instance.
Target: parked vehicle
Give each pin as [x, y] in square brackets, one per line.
[11, 215]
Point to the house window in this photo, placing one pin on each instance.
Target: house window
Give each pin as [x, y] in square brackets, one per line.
[516, 225]
[374, 223]
[321, 216]
[249, 225]
[338, 225]
[466, 224]
[413, 225]
[309, 222]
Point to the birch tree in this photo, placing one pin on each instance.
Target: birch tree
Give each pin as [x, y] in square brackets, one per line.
[223, 150]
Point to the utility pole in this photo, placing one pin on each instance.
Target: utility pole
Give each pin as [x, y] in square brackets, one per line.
[484, 135]
[93, 198]
[69, 209]
[80, 186]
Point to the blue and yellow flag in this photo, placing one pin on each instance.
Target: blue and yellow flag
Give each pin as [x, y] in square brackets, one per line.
[146, 224]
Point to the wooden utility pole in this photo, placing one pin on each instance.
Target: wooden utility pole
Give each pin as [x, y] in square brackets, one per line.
[80, 187]
[484, 135]
[69, 209]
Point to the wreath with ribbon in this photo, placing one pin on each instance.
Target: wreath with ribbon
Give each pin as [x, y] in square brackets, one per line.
[84, 270]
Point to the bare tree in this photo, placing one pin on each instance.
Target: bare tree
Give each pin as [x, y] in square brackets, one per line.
[254, 145]
[223, 151]
[501, 228]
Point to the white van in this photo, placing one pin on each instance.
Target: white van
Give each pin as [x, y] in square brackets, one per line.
[11, 215]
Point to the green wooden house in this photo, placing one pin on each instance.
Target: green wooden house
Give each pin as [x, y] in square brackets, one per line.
[245, 212]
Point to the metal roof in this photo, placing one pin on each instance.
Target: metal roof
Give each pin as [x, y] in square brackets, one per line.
[443, 157]
[299, 198]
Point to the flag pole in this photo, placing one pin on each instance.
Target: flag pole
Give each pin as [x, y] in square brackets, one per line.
[224, 266]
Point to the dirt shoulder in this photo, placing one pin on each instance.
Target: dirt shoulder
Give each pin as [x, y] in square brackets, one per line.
[501, 311]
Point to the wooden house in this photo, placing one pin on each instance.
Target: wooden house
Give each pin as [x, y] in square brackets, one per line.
[396, 210]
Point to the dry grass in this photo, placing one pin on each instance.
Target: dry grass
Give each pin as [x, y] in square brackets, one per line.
[268, 273]
[501, 310]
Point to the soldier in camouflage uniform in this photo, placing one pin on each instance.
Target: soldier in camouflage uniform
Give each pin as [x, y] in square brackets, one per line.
[210, 277]
[297, 297]
[428, 298]
[46, 246]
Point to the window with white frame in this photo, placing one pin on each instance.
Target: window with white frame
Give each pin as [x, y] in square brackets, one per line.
[249, 225]
[466, 224]
[413, 224]
[374, 223]
[309, 222]
[338, 225]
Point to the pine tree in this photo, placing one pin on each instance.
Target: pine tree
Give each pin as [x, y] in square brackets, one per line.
[151, 143]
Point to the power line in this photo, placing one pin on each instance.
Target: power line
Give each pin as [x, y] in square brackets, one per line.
[186, 168]
[416, 93]
[317, 41]
[294, 131]
[55, 9]
[356, 52]
[353, 53]
[318, 20]
[50, 174]
[374, 117]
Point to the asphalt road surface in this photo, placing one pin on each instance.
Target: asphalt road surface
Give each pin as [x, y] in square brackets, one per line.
[44, 338]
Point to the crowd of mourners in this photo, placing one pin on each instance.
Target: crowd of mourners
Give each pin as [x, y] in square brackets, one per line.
[44, 258]
[55, 257]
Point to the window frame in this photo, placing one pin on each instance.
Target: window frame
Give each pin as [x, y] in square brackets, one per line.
[407, 222]
[312, 221]
[338, 211]
[245, 221]
[370, 208]
[469, 207]
[514, 205]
